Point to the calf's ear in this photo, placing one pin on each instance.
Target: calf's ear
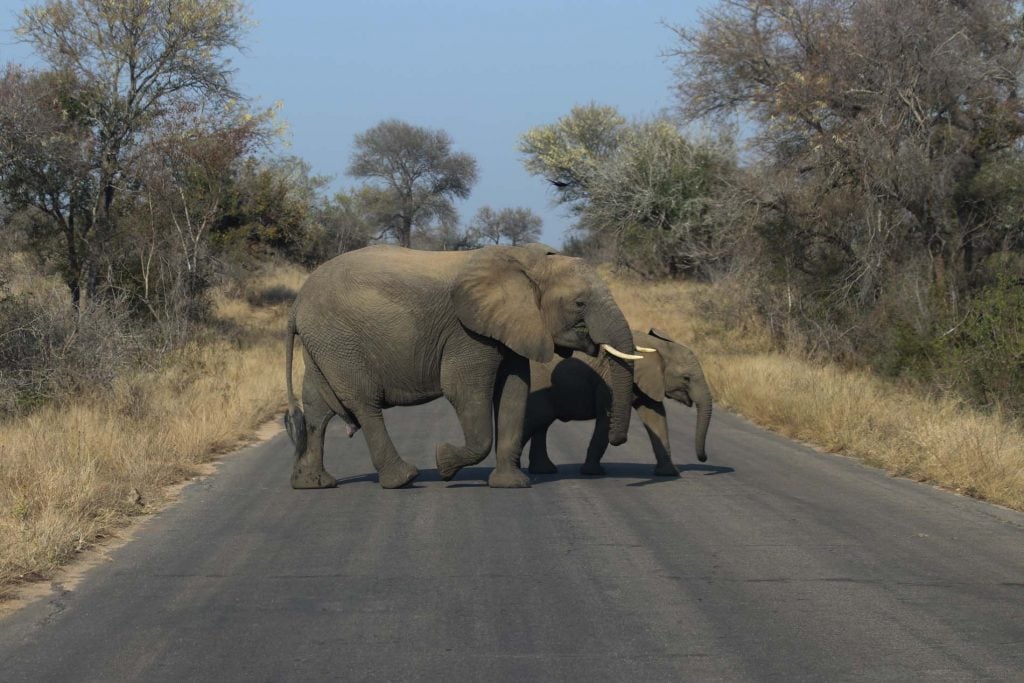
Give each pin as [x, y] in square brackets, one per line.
[649, 376]
[660, 335]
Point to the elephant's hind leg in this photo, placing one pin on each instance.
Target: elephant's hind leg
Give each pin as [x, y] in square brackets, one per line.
[392, 471]
[598, 445]
[309, 472]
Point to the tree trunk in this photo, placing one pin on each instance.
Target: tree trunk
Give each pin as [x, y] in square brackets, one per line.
[405, 234]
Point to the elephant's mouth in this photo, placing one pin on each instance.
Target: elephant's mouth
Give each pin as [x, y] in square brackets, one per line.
[575, 338]
[683, 397]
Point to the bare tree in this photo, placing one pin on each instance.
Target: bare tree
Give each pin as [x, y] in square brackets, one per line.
[486, 225]
[520, 225]
[515, 225]
[875, 119]
[881, 211]
[187, 173]
[415, 174]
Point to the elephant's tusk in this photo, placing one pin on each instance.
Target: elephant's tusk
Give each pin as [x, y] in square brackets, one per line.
[646, 349]
[619, 354]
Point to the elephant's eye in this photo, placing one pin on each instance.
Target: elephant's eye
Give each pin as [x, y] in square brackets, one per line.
[580, 303]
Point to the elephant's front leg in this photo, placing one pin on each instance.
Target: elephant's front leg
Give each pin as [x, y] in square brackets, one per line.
[652, 414]
[540, 461]
[540, 413]
[473, 408]
[510, 396]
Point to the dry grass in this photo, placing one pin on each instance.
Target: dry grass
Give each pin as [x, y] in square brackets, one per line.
[71, 474]
[841, 411]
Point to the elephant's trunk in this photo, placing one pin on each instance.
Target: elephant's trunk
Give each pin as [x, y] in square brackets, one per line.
[607, 325]
[702, 401]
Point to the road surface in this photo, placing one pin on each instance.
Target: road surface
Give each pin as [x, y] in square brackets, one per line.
[771, 561]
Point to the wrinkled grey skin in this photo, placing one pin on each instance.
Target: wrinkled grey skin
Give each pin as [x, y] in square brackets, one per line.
[576, 389]
[386, 326]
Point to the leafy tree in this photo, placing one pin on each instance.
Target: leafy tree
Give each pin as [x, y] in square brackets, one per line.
[346, 223]
[655, 200]
[415, 174]
[45, 165]
[118, 69]
[640, 189]
[275, 207]
[569, 152]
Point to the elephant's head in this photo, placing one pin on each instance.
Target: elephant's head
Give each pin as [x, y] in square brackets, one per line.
[536, 302]
[670, 369]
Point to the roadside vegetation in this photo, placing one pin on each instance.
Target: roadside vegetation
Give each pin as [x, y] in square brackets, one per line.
[937, 438]
[76, 468]
[833, 219]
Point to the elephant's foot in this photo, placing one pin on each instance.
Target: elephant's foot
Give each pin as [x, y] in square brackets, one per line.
[508, 478]
[666, 469]
[545, 466]
[302, 479]
[397, 474]
[594, 469]
[448, 460]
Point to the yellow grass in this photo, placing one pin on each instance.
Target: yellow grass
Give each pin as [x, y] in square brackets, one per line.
[841, 411]
[71, 474]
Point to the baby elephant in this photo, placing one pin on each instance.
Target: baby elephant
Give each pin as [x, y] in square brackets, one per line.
[575, 388]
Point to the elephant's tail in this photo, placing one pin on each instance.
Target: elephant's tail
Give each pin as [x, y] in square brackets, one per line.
[294, 420]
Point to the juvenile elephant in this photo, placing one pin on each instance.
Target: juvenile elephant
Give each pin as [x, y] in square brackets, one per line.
[577, 388]
[386, 326]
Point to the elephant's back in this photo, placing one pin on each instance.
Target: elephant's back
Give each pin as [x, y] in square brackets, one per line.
[379, 281]
[386, 264]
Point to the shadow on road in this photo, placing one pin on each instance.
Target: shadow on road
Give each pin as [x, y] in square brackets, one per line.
[470, 477]
[629, 470]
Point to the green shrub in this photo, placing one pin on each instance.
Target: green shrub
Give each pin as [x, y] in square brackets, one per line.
[984, 354]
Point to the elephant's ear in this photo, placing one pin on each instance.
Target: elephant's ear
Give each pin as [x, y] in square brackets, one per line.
[649, 376]
[494, 297]
[660, 335]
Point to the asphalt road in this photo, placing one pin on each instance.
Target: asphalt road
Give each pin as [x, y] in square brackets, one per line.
[771, 561]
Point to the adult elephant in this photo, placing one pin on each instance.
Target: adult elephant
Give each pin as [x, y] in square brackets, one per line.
[387, 326]
[578, 388]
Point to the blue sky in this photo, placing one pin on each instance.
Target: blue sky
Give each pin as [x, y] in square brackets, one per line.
[484, 71]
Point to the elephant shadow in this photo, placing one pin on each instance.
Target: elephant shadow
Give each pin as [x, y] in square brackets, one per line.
[467, 477]
[630, 470]
[472, 477]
